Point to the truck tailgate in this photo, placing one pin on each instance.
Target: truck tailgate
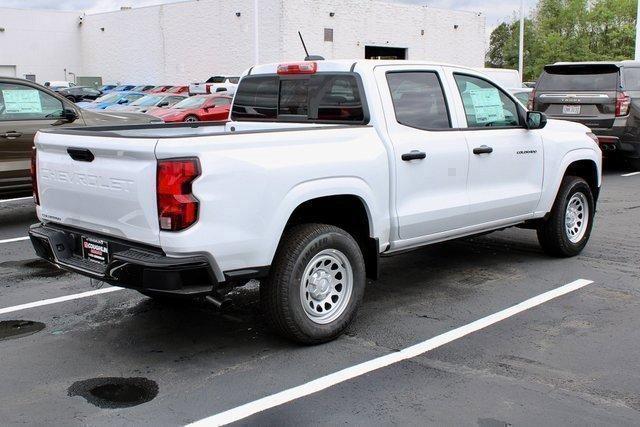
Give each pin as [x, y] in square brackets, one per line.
[103, 184]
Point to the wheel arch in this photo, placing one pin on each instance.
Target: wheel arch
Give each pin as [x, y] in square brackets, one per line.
[347, 203]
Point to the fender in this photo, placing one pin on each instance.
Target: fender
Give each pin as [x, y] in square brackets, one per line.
[379, 222]
[554, 175]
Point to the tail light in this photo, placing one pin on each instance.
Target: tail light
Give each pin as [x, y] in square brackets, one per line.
[177, 207]
[298, 68]
[34, 175]
[532, 100]
[622, 104]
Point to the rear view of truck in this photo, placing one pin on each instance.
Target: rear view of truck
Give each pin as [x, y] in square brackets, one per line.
[601, 96]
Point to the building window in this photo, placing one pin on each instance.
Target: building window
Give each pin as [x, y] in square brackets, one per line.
[328, 34]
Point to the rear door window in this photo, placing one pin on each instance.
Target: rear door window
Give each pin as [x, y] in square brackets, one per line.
[322, 97]
[418, 100]
[579, 78]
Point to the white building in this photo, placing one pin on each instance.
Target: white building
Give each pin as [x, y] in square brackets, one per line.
[190, 41]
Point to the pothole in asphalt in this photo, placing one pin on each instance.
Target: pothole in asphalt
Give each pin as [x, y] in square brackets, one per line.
[115, 392]
[10, 329]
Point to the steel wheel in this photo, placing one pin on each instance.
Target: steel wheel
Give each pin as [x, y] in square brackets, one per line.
[576, 217]
[326, 286]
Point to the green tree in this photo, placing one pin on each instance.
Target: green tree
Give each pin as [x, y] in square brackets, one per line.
[567, 30]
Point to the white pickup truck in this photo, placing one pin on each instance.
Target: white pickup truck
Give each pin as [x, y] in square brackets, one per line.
[323, 168]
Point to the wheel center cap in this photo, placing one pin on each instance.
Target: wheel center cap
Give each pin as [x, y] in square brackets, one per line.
[319, 285]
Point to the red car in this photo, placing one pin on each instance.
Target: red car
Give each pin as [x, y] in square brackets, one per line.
[199, 108]
[158, 89]
[179, 89]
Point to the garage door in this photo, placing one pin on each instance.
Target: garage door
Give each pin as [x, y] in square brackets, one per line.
[7, 70]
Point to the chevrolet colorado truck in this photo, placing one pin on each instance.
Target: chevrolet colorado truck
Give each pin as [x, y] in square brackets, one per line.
[323, 168]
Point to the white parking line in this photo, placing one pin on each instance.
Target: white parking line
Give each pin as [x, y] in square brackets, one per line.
[15, 200]
[631, 174]
[59, 299]
[17, 239]
[330, 380]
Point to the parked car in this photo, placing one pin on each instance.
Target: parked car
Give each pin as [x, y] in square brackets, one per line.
[423, 153]
[161, 88]
[123, 88]
[142, 88]
[58, 84]
[25, 108]
[523, 95]
[604, 96]
[80, 93]
[198, 108]
[179, 89]
[148, 102]
[215, 84]
[113, 98]
[107, 88]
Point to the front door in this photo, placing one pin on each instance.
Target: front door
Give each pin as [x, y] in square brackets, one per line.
[506, 159]
[23, 111]
[431, 159]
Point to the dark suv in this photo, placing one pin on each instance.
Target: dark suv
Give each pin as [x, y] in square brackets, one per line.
[26, 107]
[604, 96]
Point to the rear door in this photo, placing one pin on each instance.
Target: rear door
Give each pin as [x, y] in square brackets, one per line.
[583, 93]
[101, 183]
[430, 157]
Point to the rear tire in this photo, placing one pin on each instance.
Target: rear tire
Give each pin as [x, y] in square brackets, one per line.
[566, 231]
[316, 284]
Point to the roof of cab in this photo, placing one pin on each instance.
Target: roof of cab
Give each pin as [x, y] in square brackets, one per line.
[344, 65]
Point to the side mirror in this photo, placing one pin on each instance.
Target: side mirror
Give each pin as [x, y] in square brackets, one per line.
[164, 104]
[122, 101]
[536, 120]
[69, 115]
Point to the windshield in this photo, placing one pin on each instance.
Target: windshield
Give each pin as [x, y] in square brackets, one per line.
[148, 100]
[193, 102]
[109, 97]
[216, 79]
[579, 78]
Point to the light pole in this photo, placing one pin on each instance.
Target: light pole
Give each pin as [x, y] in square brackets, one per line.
[521, 52]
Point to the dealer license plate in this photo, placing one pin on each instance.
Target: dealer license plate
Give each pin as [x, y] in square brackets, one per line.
[95, 250]
[571, 109]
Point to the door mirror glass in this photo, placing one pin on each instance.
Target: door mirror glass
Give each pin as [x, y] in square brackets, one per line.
[536, 120]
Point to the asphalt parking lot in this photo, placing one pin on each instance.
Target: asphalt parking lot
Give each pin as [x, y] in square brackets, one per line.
[569, 360]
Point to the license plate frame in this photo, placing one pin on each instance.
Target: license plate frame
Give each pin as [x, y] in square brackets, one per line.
[95, 250]
[571, 110]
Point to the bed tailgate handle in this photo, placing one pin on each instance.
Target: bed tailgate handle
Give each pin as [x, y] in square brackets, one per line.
[80, 154]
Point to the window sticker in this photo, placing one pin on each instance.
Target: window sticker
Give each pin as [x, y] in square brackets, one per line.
[487, 105]
[22, 101]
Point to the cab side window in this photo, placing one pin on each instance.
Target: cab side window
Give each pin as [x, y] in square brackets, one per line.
[485, 105]
[418, 100]
[18, 102]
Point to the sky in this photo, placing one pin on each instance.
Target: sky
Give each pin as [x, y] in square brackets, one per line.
[495, 11]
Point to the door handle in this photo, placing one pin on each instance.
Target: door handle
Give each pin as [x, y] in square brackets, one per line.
[11, 135]
[80, 154]
[414, 155]
[483, 149]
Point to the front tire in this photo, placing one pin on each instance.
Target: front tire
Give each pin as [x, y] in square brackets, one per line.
[191, 119]
[566, 231]
[316, 284]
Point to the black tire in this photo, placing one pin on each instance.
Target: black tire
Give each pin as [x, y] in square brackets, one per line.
[71, 98]
[191, 119]
[281, 296]
[552, 233]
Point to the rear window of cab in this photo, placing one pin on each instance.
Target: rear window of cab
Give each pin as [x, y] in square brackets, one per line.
[321, 97]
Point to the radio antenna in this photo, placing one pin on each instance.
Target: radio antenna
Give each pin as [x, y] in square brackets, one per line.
[309, 57]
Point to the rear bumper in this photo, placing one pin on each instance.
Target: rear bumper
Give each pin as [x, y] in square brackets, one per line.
[129, 265]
